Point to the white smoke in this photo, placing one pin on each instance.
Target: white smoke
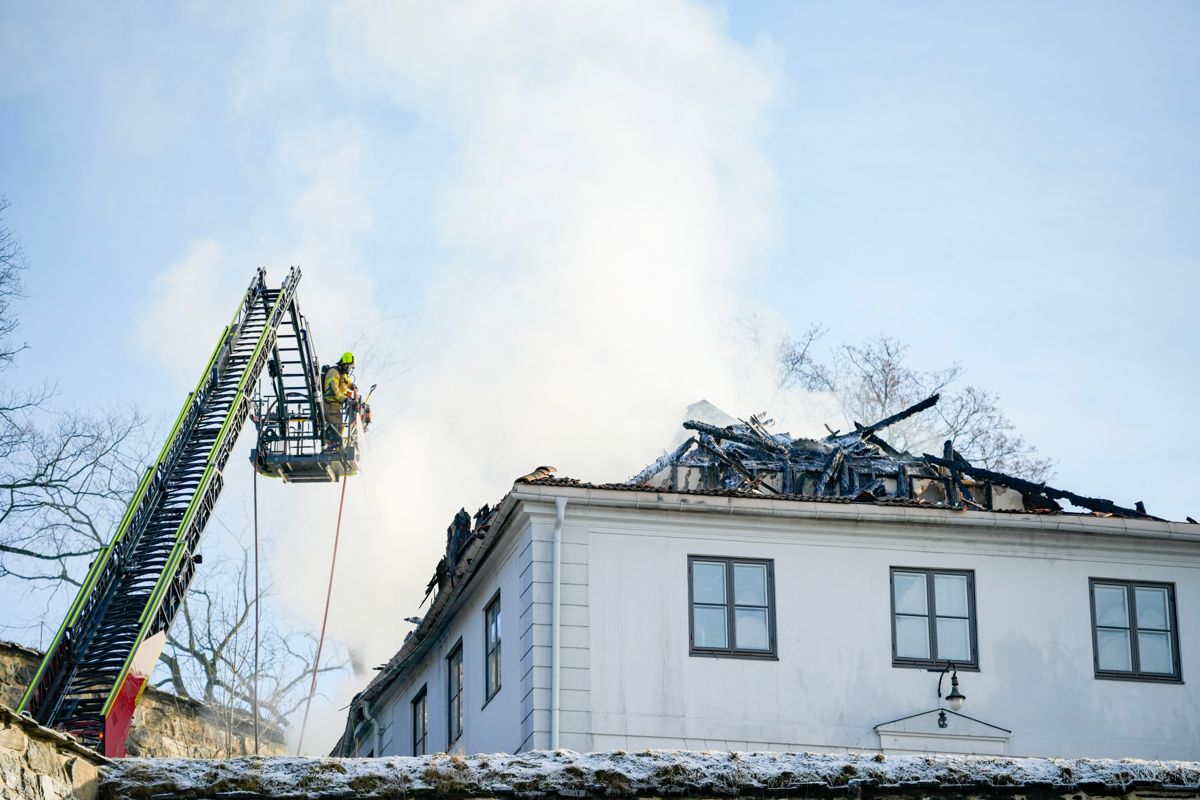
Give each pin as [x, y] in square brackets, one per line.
[606, 194]
[607, 191]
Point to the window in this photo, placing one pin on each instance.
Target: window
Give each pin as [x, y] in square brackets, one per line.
[491, 648]
[733, 607]
[1134, 633]
[420, 724]
[933, 618]
[454, 689]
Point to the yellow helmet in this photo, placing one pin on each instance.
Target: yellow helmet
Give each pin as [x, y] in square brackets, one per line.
[347, 358]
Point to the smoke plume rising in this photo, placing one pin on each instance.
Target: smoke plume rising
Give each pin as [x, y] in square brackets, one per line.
[604, 192]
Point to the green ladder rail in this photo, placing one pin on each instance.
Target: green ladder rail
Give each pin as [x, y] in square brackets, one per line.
[100, 659]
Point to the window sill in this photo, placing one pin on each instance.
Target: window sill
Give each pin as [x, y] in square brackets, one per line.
[742, 654]
[935, 666]
[1136, 678]
[487, 702]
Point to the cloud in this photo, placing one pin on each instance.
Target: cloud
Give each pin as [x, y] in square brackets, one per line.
[187, 306]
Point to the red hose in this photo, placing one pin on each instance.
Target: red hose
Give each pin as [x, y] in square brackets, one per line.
[324, 620]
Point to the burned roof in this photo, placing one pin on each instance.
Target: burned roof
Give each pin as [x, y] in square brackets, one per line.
[746, 458]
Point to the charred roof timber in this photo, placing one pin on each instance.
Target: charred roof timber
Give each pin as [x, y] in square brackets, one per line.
[858, 465]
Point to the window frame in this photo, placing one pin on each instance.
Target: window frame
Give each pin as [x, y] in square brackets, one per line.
[731, 651]
[454, 660]
[490, 652]
[932, 615]
[1136, 673]
[421, 697]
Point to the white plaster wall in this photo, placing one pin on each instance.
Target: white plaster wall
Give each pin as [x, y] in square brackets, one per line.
[833, 680]
[491, 727]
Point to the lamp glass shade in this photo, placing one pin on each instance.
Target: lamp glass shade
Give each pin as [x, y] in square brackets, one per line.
[955, 700]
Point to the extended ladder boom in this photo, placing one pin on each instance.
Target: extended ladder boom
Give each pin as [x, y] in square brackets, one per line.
[101, 657]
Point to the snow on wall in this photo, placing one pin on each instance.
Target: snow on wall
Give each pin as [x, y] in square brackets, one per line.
[650, 773]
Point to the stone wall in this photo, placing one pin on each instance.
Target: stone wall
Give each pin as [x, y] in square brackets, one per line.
[37, 763]
[165, 725]
[654, 774]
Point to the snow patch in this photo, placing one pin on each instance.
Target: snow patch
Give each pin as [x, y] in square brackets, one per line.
[620, 774]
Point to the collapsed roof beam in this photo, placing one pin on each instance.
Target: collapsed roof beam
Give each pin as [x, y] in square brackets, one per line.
[899, 416]
[1029, 488]
[761, 442]
[663, 461]
[754, 481]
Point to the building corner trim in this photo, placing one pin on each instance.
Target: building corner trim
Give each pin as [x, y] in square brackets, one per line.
[560, 510]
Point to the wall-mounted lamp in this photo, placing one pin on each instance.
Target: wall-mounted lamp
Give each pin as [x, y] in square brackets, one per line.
[955, 698]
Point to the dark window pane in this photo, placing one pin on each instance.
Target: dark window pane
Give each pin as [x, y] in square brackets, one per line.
[454, 694]
[1113, 647]
[750, 584]
[953, 639]
[491, 654]
[709, 626]
[491, 628]
[910, 593]
[912, 637]
[708, 582]
[751, 632]
[420, 725]
[950, 595]
[1154, 652]
[1152, 608]
[1112, 609]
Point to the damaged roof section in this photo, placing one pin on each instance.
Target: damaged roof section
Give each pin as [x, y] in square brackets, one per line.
[859, 465]
[744, 459]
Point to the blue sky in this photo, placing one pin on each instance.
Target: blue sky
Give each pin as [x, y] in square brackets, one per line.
[541, 222]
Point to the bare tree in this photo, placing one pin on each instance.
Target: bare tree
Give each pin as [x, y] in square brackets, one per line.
[12, 262]
[64, 476]
[873, 380]
[61, 494]
[209, 654]
[13, 405]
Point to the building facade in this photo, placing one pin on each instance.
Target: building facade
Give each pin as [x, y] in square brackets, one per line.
[630, 617]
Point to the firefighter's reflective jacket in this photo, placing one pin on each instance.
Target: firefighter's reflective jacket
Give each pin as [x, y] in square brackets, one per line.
[337, 386]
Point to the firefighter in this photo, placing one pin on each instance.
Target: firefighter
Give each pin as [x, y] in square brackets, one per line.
[338, 388]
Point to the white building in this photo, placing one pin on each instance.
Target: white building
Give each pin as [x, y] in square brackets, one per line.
[628, 617]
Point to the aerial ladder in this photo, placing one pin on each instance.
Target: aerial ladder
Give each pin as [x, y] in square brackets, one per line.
[101, 658]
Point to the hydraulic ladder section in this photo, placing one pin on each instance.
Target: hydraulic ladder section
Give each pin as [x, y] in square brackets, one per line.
[296, 442]
[101, 658]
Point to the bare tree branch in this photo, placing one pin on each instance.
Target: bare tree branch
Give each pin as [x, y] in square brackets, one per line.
[63, 488]
[209, 651]
[873, 380]
[12, 263]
